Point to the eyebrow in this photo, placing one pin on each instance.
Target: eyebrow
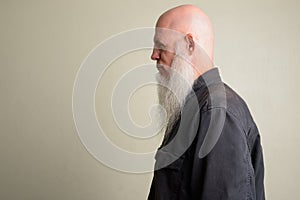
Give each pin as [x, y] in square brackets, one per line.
[159, 43]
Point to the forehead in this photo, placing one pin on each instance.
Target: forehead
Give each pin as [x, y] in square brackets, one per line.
[164, 35]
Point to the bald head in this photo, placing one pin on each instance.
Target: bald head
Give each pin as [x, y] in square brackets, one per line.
[189, 19]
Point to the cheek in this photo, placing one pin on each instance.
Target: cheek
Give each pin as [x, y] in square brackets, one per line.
[167, 58]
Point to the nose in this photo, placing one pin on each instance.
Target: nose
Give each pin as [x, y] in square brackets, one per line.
[155, 54]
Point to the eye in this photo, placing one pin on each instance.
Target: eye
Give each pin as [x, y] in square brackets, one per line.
[159, 45]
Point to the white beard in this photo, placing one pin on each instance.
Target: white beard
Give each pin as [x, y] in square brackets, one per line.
[172, 91]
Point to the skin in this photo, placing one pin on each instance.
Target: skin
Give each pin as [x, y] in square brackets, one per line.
[192, 27]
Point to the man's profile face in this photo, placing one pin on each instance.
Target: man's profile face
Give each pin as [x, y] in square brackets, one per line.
[164, 50]
[176, 75]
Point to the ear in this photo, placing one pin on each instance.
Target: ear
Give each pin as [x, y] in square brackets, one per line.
[191, 44]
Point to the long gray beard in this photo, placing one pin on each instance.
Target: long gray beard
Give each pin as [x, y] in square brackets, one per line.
[172, 91]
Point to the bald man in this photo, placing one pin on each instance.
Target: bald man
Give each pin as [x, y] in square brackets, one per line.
[211, 148]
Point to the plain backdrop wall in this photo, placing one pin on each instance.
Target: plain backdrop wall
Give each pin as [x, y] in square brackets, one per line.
[43, 43]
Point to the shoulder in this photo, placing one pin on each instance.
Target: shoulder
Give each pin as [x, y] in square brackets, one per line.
[238, 109]
[220, 96]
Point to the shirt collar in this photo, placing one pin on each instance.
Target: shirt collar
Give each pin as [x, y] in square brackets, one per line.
[209, 77]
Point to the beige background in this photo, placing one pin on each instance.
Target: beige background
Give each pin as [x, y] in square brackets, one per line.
[42, 44]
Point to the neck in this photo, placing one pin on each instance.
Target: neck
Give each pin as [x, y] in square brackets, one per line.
[201, 70]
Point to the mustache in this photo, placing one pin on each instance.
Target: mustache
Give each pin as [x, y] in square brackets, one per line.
[161, 67]
[163, 70]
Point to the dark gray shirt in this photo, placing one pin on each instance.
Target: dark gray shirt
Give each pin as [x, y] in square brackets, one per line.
[213, 151]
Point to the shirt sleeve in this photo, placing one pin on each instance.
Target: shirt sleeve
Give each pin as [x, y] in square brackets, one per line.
[226, 172]
[257, 161]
